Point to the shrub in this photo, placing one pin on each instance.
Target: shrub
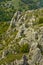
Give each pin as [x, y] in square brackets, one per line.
[40, 20]
[24, 48]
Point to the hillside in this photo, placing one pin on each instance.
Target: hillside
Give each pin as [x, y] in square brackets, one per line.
[9, 7]
[22, 35]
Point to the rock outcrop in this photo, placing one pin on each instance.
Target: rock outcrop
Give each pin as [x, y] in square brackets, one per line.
[24, 28]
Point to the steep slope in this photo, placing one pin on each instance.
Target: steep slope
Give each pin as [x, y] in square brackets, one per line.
[24, 28]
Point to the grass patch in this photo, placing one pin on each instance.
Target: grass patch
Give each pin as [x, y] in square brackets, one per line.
[11, 57]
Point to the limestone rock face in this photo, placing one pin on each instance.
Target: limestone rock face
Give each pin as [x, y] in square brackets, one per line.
[24, 28]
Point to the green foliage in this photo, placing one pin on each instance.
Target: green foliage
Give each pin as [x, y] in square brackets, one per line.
[3, 27]
[40, 20]
[6, 13]
[9, 7]
[32, 3]
[17, 48]
[10, 58]
[24, 48]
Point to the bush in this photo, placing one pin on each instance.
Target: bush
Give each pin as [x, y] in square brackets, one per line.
[24, 48]
[40, 20]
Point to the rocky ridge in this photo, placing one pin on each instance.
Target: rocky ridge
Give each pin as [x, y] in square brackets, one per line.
[25, 27]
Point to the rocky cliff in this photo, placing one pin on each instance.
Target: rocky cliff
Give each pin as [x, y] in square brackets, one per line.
[24, 28]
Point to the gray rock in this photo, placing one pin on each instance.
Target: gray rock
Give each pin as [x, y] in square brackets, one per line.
[41, 62]
[5, 52]
[35, 55]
